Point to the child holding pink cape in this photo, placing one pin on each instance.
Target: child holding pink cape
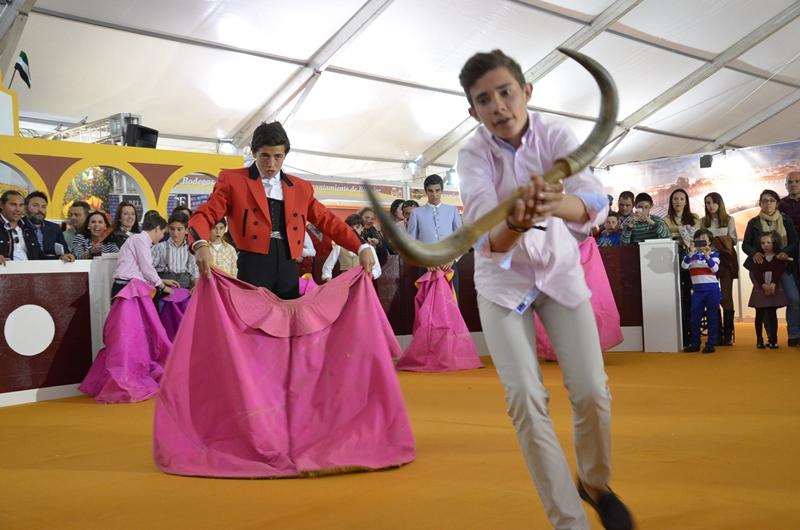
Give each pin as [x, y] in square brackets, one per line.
[441, 341]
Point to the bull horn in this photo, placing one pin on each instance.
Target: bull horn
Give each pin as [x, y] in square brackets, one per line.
[460, 241]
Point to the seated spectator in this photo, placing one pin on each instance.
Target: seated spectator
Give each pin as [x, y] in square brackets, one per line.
[125, 223]
[408, 207]
[48, 235]
[396, 210]
[78, 213]
[95, 240]
[172, 258]
[612, 235]
[135, 259]
[223, 255]
[625, 204]
[347, 260]
[644, 226]
[17, 240]
[372, 235]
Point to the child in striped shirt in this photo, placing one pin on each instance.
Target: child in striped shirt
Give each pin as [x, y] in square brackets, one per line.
[702, 262]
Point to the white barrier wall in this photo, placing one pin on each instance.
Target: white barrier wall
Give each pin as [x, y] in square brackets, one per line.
[52, 316]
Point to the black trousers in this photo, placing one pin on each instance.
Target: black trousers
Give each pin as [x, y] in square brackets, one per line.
[276, 271]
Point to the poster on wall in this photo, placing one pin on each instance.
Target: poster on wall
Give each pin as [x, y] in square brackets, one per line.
[178, 199]
[737, 175]
[448, 197]
[344, 193]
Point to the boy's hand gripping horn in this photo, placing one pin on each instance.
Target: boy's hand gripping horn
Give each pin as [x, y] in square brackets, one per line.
[460, 241]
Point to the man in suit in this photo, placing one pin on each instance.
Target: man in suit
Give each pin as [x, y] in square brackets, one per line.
[267, 211]
[48, 235]
[17, 240]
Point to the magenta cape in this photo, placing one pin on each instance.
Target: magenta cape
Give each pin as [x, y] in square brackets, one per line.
[129, 367]
[307, 284]
[441, 341]
[605, 308]
[172, 310]
[256, 386]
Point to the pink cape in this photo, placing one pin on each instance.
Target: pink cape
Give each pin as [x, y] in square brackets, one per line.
[605, 308]
[129, 367]
[307, 284]
[261, 387]
[172, 310]
[441, 341]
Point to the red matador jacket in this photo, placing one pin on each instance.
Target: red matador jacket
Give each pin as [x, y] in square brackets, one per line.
[239, 196]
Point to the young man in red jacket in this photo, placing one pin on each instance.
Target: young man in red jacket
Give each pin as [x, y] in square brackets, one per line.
[267, 211]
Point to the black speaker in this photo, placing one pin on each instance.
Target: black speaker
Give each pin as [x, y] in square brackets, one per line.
[705, 161]
[141, 136]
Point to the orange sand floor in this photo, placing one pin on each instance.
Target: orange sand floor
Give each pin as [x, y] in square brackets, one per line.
[700, 442]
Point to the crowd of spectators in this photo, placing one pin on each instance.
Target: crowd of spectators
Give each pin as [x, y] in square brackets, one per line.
[27, 235]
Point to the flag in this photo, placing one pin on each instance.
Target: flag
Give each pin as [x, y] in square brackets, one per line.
[23, 68]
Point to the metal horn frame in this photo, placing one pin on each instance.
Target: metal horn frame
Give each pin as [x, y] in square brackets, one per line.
[460, 241]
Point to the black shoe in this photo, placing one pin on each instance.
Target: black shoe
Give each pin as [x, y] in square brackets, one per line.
[613, 513]
[772, 346]
[709, 349]
[760, 345]
[691, 349]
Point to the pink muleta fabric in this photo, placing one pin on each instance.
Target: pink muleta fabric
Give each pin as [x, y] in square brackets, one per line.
[261, 387]
[307, 284]
[603, 304]
[172, 310]
[441, 341]
[128, 369]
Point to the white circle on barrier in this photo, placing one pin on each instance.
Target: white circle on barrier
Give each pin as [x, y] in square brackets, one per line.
[29, 330]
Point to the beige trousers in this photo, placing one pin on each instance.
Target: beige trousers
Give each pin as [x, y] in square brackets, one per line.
[512, 343]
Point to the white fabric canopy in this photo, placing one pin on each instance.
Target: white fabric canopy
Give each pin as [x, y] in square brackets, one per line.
[199, 70]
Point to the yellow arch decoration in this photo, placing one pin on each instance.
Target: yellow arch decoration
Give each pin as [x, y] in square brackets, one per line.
[163, 198]
[75, 169]
[27, 171]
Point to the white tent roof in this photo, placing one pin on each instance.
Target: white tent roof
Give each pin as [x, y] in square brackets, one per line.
[198, 70]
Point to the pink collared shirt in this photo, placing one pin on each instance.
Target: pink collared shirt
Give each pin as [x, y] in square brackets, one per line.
[546, 261]
[135, 260]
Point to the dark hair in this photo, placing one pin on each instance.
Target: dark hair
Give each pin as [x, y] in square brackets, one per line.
[179, 217]
[222, 221]
[479, 64]
[354, 220]
[411, 202]
[117, 224]
[396, 204]
[776, 241]
[34, 194]
[686, 216]
[626, 195]
[364, 210]
[182, 208]
[722, 214]
[86, 233]
[152, 220]
[643, 197]
[612, 214]
[432, 180]
[6, 194]
[771, 193]
[81, 204]
[270, 134]
[703, 232]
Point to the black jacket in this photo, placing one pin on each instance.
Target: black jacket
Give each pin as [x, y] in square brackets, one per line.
[751, 242]
[7, 241]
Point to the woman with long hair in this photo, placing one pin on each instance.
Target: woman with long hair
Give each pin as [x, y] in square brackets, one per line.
[682, 224]
[770, 219]
[125, 223]
[96, 238]
[723, 227]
